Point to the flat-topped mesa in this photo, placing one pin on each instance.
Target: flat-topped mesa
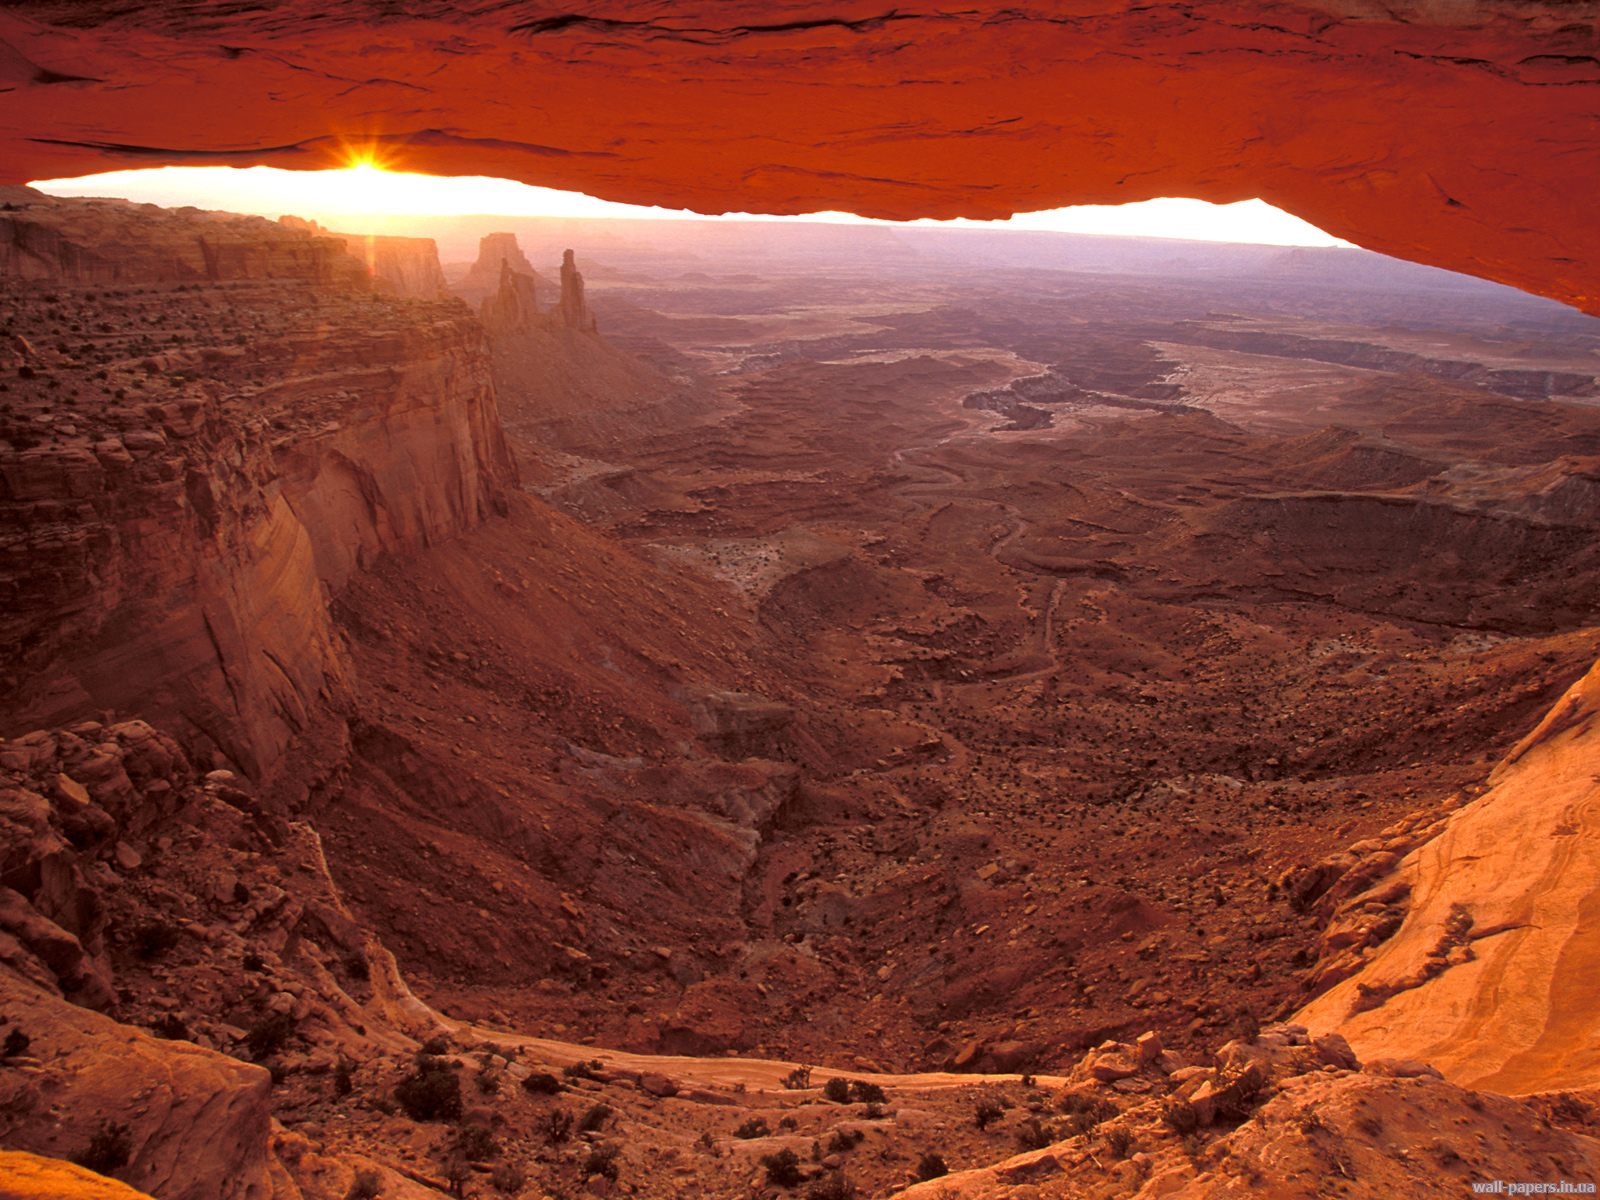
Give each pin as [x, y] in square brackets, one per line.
[495, 250]
[403, 266]
[574, 309]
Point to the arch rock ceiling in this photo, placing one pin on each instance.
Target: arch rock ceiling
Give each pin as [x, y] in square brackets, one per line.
[1462, 134]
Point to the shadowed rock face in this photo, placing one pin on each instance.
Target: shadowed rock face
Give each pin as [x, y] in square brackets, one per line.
[280, 459]
[796, 107]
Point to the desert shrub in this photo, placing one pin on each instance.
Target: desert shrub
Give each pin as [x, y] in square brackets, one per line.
[253, 961]
[602, 1161]
[1119, 1141]
[837, 1090]
[476, 1144]
[1096, 1108]
[867, 1093]
[342, 1072]
[987, 1113]
[755, 1127]
[508, 1179]
[835, 1185]
[16, 1044]
[542, 1083]
[875, 1112]
[1085, 1112]
[783, 1168]
[789, 1124]
[152, 939]
[269, 1035]
[931, 1166]
[1181, 1117]
[798, 1079]
[557, 1126]
[171, 1027]
[845, 1140]
[366, 1186]
[431, 1092]
[436, 1046]
[1034, 1134]
[594, 1119]
[583, 1070]
[108, 1150]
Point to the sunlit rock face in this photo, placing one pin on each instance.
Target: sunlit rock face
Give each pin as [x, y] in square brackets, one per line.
[1458, 134]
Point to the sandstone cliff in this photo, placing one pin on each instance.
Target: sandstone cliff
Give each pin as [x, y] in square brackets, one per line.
[497, 252]
[403, 266]
[168, 545]
[1490, 976]
[114, 241]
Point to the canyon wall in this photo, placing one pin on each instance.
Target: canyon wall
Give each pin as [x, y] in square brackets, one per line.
[1490, 976]
[402, 266]
[169, 547]
[111, 241]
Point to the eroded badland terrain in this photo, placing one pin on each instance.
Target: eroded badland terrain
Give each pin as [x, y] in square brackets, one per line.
[496, 736]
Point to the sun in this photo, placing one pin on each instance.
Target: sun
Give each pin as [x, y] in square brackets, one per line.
[363, 187]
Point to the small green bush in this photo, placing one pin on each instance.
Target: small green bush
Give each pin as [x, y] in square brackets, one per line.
[837, 1090]
[931, 1166]
[1119, 1141]
[987, 1113]
[1181, 1117]
[835, 1185]
[542, 1083]
[508, 1179]
[476, 1144]
[108, 1150]
[269, 1035]
[867, 1093]
[557, 1126]
[783, 1168]
[1034, 1134]
[431, 1092]
[602, 1161]
[755, 1127]
[845, 1140]
[152, 939]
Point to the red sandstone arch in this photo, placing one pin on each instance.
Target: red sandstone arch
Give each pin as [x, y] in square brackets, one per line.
[1464, 135]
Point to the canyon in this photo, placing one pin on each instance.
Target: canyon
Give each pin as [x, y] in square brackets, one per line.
[910, 701]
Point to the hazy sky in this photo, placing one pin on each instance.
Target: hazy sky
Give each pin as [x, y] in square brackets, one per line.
[340, 199]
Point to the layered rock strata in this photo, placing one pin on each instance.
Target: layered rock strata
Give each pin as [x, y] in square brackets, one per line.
[186, 469]
[402, 266]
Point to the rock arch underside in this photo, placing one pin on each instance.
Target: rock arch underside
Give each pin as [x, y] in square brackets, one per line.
[1454, 133]
[1464, 135]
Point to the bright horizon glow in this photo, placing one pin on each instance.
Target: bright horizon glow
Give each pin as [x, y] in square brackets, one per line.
[345, 199]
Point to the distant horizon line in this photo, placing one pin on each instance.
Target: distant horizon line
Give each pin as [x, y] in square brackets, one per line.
[367, 194]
